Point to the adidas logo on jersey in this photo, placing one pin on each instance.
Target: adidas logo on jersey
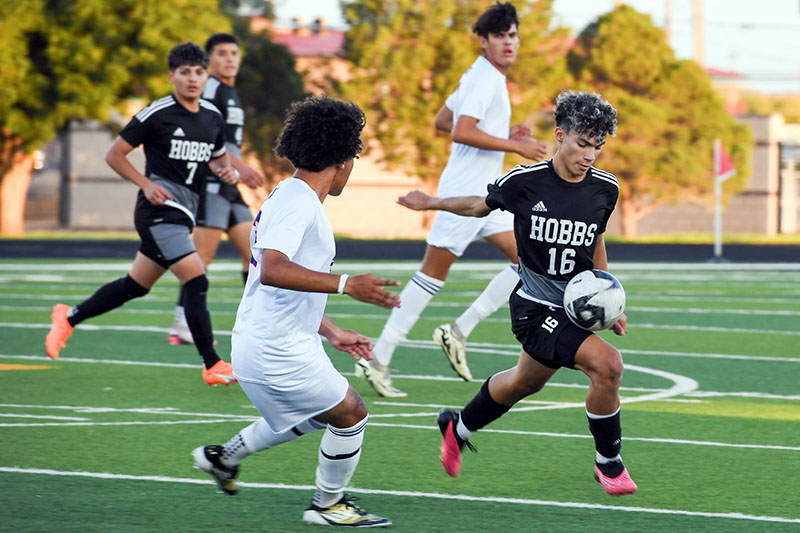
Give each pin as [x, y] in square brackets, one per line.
[178, 132]
[539, 207]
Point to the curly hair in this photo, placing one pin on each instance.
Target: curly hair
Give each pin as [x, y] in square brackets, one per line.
[585, 113]
[186, 53]
[320, 132]
[498, 18]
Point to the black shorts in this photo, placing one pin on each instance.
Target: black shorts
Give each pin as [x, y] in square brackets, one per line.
[164, 241]
[546, 333]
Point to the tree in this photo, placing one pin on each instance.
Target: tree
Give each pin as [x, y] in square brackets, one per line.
[408, 56]
[267, 83]
[669, 116]
[78, 60]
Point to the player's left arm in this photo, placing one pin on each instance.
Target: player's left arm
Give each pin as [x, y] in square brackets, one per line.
[468, 206]
[221, 166]
[600, 260]
[444, 119]
[248, 174]
[346, 340]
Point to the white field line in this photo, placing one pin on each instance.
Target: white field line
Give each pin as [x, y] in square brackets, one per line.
[383, 317]
[682, 310]
[411, 494]
[412, 266]
[212, 418]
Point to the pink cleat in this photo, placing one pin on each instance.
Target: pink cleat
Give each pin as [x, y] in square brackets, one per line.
[616, 486]
[452, 444]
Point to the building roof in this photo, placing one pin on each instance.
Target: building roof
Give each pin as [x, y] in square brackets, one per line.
[325, 43]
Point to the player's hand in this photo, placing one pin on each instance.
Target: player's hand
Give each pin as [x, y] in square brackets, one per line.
[369, 288]
[251, 177]
[520, 131]
[531, 148]
[228, 174]
[416, 200]
[156, 194]
[621, 327]
[354, 343]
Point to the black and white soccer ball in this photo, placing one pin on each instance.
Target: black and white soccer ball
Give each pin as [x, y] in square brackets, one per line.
[594, 300]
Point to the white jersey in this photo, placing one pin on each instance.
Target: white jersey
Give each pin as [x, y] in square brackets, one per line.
[481, 93]
[276, 330]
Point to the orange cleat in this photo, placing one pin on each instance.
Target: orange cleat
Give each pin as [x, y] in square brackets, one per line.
[60, 331]
[616, 486]
[219, 374]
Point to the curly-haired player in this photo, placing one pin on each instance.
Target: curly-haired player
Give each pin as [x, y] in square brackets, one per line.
[560, 210]
[277, 353]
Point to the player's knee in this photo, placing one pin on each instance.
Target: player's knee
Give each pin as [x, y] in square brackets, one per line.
[609, 367]
[133, 289]
[196, 286]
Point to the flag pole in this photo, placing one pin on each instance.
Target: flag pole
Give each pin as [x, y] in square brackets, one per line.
[717, 202]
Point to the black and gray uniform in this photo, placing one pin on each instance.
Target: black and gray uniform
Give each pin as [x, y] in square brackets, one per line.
[221, 204]
[178, 144]
[556, 225]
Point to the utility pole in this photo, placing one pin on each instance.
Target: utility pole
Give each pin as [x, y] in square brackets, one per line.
[668, 20]
[698, 31]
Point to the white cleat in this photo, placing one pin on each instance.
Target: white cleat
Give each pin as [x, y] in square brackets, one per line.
[377, 375]
[454, 345]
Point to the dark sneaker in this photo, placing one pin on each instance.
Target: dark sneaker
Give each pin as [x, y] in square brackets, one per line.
[452, 444]
[343, 513]
[208, 459]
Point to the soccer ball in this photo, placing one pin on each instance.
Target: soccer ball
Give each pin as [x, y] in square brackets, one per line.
[594, 300]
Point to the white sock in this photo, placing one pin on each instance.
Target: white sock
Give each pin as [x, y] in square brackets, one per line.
[180, 316]
[493, 296]
[258, 436]
[462, 430]
[602, 459]
[413, 300]
[339, 452]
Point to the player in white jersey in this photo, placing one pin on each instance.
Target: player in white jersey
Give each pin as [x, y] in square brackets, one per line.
[478, 117]
[277, 352]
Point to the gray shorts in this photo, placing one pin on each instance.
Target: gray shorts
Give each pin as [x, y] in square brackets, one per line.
[222, 211]
[166, 243]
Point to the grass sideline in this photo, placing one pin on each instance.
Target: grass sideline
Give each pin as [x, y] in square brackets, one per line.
[100, 438]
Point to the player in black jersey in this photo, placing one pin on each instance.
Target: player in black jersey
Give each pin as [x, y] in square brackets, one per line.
[183, 137]
[221, 208]
[560, 209]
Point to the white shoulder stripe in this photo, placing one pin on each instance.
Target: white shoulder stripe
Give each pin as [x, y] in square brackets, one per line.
[604, 173]
[210, 90]
[158, 105]
[519, 169]
[209, 105]
[612, 181]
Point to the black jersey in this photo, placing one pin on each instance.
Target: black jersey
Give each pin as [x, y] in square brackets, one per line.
[556, 223]
[225, 99]
[178, 144]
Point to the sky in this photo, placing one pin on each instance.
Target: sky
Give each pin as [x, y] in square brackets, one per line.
[757, 38]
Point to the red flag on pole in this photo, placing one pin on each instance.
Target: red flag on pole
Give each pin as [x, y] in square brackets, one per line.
[723, 166]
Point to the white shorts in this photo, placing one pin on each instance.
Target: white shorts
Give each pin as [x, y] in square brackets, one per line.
[293, 398]
[455, 232]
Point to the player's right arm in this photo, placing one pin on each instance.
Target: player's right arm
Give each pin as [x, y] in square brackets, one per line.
[444, 119]
[278, 270]
[117, 159]
[466, 131]
[468, 206]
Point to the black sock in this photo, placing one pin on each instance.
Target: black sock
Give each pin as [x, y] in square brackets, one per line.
[181, 296]
[108, 297]
[607, 434]
[198, 318]
[244, 277]
[482, 409]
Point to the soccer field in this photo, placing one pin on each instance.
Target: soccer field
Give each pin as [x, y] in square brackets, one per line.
[99, 440]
